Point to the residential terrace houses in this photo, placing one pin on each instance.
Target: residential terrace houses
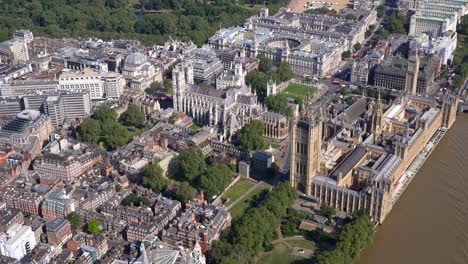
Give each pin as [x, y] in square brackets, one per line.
[67, 159]
[199, 223]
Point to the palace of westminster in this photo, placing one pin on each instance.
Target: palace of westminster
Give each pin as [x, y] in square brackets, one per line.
[355, 159]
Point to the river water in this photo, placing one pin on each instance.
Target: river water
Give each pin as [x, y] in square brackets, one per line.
[429, 223]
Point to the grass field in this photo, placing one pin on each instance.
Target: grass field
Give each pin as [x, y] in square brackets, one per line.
[279, 255]
[239, 209]
[300, 90]
[307, 244]
[237, 190]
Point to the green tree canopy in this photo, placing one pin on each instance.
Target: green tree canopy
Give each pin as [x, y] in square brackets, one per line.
[397, 23]
[133, 116]
[247, 238]
[258, 81]
[90, 130]
[381, 11]
[284, 72]
[357, 46]
[215, 180]
[154, 179]
[75, 220]
[278, 103]
[105, 113]
[191, 164]
[266, 65]
[355, 236]
[183, 192]
[93, 227]
[136, 200]
[321, 11]
[351, 17]
[346, 54]
[251, 136]
[117, 135]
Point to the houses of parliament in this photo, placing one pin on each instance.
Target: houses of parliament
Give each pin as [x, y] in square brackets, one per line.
[354, 158]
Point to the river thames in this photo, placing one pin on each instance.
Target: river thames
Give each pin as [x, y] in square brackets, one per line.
[429, 223]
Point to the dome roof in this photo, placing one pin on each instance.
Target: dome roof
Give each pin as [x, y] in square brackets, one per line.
[135, 59]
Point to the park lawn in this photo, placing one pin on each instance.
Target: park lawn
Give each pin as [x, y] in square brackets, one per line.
[279, 255]
[307, 244]
[237, 190]
[239, 209]
[300, 90]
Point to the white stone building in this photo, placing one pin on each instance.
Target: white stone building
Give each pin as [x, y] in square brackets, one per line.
[139, 72]
[86, 79]
[114, 84]
[17, 241]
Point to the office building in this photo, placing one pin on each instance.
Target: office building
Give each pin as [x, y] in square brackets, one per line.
[17, 241]
[86, 79]
[58, 232]
[57, 204]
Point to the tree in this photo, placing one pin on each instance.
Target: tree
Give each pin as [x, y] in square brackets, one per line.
[191, 164]
[105, 113]
[117, 135]
[134, 199]
[133, 116]
[89, 130]
[75, 220]
[346, 54]
[328, 212]
[278, 103]
[397, 23]
[183, 192]
[321, 11]
[154, 88]
[380, 11]
[383, 34]
[154, 179]
[458, 81]
[93, 227]
[265, 65]
[215, 180]
[344, 91]
[355, 236]
[351, 17]
[284, 72]
[246, 239]
[462, 27]
[357, 46]
[168, 86]
[258, 81]
[251, 136]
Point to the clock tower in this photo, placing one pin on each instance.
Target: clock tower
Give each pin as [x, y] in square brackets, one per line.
[412, 71]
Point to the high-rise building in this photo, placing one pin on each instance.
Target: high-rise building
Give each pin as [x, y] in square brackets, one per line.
[306, 143]
[60, 106]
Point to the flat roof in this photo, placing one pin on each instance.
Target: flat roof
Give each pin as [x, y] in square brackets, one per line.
[437, 11]
[444, 4]
[430, 18]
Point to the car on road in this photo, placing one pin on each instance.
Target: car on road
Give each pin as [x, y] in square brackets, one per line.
[336, 83]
